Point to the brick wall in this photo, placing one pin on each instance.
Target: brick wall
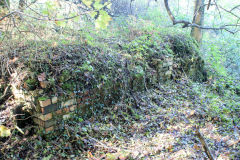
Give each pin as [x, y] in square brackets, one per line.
[49, 112]
[52, 110]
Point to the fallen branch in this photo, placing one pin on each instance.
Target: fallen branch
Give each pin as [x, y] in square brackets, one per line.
[102, 144]
[204, 144]
[5, 94]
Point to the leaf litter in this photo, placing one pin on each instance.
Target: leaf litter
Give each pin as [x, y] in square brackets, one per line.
[161, 126]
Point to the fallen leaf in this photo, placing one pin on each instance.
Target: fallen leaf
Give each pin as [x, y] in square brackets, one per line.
[13, 60]
[42, 77]
[112, 156]
[43, 84]
[196, 147]
[89, 154]
[170, 148]
[123, 156]
[192, 113]
[4, 131]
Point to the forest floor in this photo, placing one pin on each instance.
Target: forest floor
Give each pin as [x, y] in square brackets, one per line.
[160, 124]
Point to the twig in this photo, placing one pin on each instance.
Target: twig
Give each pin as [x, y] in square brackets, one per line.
[102, 144]
[190, 24]
[4, 94]
[209, 2]
[204, 144]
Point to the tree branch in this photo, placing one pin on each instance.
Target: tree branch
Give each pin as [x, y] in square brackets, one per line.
[204, 144]
[190, 24]
[7, 15]
[209, 2]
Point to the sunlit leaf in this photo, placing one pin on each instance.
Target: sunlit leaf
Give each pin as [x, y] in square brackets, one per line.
[4, 131]
[93, 14]
[109, 5]
[61, 23]
[98, 5]
[88, 3]
[45, 11]
[103, 20]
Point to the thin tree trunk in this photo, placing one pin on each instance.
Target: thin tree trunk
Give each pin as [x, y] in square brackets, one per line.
[198, 18]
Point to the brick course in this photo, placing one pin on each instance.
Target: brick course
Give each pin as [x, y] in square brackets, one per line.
[54, 109]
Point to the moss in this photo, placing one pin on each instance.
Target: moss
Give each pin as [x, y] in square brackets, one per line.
[69, 86]
[31, 83]
[42, 98]
[143, 61]
[65, 76]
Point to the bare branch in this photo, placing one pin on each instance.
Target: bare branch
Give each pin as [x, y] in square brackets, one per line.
[46, 18]
[230, 12]
[190, 24]
[209, 2]
[235, 8]
[7, 15]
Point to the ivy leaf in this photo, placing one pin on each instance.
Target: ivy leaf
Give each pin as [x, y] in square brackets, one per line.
[98, 5]
[4, 131]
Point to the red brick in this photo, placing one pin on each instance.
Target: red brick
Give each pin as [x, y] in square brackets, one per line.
[59, 112]
[45, 103]
[47, 130]
[42, 123]
[45, 117]
[42, 109]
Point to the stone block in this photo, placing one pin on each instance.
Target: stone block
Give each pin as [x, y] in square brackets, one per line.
[45, 117]
[54, 100]
[44, 124]
[47, 130]
[49, 109]
[45, 103]
[59, 112]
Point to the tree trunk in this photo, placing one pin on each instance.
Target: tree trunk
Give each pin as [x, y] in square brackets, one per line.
[198, 18]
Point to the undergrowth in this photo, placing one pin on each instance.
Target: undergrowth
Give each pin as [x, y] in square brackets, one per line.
[126, 57]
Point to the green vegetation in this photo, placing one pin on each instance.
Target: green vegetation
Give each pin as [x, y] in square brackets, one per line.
[153, 83]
